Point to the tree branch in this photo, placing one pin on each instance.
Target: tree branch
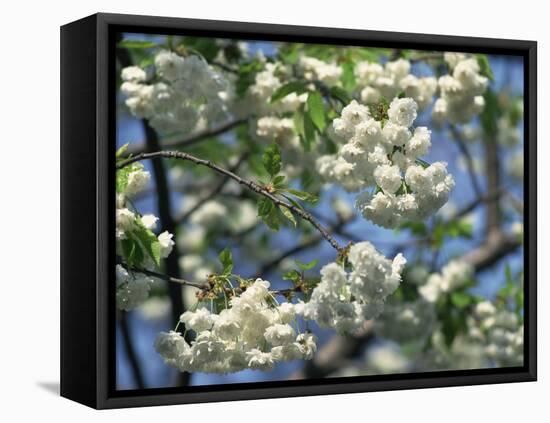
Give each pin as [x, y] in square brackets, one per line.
[167, 278]
[250, 184]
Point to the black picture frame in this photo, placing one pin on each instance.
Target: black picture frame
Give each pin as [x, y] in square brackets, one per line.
[87, 204]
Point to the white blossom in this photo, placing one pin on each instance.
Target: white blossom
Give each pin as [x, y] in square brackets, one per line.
[454, 275]
[344, 301]
[166, 243]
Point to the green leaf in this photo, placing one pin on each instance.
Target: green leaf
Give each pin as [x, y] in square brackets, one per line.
[299, 122]
[304, 196]
[206, 47]
[265, 206]
[297, 87]
[461, 299]
[272, 220]
[316, 110]
[148, 241]
[306, 266]
[246, 75]
[348, 76]
[452, 324]
[292, 275]
[136, 44]
[288, 214]
[309, 132]
[293, 202]
[484, 66]
[122, 150]
[272, 160]
[226, 259]
[132, 252]
[278, 181]
[122, 176]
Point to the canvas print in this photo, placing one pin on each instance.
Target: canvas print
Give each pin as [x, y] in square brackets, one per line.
[290, 211]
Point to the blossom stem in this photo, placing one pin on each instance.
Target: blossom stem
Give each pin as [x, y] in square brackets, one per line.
[250, 184]
[168, 278]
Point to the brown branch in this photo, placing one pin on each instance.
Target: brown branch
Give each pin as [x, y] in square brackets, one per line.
[192, 139]
[495, 247]
[250, 184]
[167, 278]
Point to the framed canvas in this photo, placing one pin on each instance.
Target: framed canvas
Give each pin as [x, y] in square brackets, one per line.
[258, 211]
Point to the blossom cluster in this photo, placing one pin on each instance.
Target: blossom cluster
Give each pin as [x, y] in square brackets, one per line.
[266, 82]
[455, 274]
[378, 81]
[461, 91]
[314, 69]
[387, 157]
[251, 333]
[184, 94]
[501, 333]
[345, 300]
[132, 287]
[407, 321]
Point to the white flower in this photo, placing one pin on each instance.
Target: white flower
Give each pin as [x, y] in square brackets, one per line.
[168, 65]
[317, 70]
[286, 312]
[149, 221]
[132, 289]
[454, 275]
[133, 74]
[388, 178]
[125, 220]
[137, 181]
[402, 111]
[461, 92]
[260, 360]
[279, 334]
[372, 279]
[420, 142]
[307, 344]
[170, 345]
[485, 309]
[185, 94]
[199, 320]
[166, 243]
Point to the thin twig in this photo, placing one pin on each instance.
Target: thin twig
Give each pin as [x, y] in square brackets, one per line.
[250, 184]
[168, 278]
